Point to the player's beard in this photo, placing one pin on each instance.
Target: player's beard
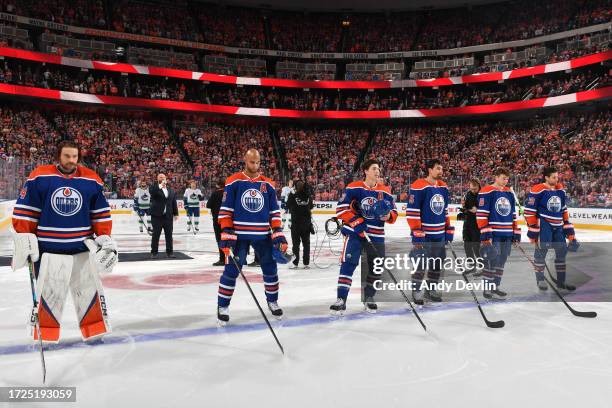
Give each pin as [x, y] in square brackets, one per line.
[67, 167]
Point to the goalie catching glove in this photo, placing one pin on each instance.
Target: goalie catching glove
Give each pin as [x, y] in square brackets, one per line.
[103, 253]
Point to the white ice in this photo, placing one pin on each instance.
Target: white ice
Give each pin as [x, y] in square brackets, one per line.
[166, 350]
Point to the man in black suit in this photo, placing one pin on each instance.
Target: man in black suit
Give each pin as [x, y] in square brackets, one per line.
[214, 204]
[163, 210]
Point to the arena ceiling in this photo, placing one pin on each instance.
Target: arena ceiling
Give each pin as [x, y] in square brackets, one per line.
[353, 5]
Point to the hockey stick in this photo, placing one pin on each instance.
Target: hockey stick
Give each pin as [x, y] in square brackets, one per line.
[574, 312]
[144, 223]
[36, 320]
[494, 325]
[367, 237]
[256, 301]
[548, 271]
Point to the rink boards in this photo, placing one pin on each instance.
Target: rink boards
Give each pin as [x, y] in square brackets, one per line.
[587, 218]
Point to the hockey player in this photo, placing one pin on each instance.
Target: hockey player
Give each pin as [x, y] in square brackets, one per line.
[248, 212]
[496, 218]
[191, 199]
[288, 189]
[142, 206]
[60, 213]
[549, 226]
[364, 208]
[427, 216]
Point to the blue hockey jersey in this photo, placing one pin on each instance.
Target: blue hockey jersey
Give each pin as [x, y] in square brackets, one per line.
[496, 212]
[62, 210]
[546, 204]
[427, 208]
[249, 206]
[359, 200]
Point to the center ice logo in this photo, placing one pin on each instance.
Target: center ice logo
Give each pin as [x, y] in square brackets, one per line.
[367, 205]
[502, 206]
[437, 204]
[554, 204]
[252, 200]
[66, 201]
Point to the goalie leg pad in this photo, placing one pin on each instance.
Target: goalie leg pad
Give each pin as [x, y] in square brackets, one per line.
[88, 297]
[51, 289]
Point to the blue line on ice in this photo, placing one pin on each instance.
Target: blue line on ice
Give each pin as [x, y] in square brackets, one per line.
[211, 331]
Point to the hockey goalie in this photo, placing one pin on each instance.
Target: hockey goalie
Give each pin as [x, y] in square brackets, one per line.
[62, 226]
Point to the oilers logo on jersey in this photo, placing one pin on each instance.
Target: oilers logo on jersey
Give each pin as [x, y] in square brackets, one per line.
[249, 207]
[360, 200]
[496, 213]
[63, 211]
[66, 201]
[367, 206]
[503, 206]
[554, 204]
[547, 204]
[252, 200]
[437, 204]
[427, 209]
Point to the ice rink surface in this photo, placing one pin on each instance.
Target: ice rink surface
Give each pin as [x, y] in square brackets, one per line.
[167, 351]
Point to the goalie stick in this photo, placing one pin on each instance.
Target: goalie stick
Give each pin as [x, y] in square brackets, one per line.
[36, 321]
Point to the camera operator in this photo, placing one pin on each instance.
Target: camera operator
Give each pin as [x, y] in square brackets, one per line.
[471, 233]
[300, 206]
